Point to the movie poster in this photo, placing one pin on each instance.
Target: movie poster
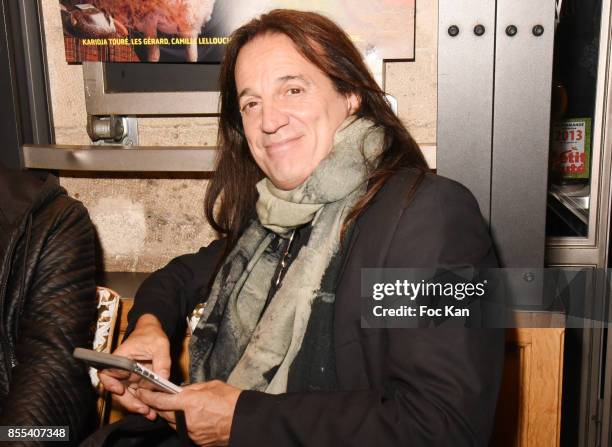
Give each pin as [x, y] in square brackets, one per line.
[198, 30]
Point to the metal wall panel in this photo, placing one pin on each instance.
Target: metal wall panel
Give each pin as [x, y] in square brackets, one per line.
[25, 116]
[32, 61]
[606, 403]
[465, 94]
[120, 159]
[521, 122]
[10, 131]
[100, 102]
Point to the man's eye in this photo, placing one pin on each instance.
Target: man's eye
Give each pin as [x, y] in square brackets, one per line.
[248, 106]
[294, 91]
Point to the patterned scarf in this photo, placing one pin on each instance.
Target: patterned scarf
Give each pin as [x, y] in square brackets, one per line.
[238, 338]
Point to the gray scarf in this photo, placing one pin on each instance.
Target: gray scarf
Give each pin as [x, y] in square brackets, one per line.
[239, 340]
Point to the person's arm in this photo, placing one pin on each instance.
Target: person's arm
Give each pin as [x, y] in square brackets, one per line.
[172, 292]
[440, 386]
[165, 298]
[48, 386]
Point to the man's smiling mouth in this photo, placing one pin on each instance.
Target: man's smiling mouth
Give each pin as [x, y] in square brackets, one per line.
[281, 145]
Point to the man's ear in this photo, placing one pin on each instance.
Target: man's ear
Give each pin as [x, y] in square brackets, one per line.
[353, 101]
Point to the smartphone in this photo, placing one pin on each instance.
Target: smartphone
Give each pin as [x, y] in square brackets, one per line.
[101, 360]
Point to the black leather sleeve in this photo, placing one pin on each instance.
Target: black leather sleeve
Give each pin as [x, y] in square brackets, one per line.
[428, 387]
[48, 386]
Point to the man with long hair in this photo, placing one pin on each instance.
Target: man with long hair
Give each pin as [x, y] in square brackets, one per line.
[316, 179]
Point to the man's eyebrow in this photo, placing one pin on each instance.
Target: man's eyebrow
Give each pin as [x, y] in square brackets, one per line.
[292, 78]
[244, 92]
[248, 91]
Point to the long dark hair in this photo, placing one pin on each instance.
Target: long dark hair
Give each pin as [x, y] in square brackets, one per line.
[330, 49]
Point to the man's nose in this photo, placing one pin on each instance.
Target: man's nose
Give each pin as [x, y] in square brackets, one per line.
[272, 117]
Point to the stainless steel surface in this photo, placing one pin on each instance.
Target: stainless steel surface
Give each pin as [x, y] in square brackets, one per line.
[10, 129]
[99, 102]
[130, 138]
[120, 159]
[24, 112]
[523, 77]
[591, 366]
[606, 429]
[139, 158]
[573, 255]
[585, 342]
[465, 95]
[593, 250]
[35, 61]
[576, 200]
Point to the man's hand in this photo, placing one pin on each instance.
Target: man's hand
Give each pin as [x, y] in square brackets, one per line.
[149, 345]
[209, 410]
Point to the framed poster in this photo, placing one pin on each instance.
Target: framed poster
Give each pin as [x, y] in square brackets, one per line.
[198, 30]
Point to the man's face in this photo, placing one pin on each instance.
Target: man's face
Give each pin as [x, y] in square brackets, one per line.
[290, 109]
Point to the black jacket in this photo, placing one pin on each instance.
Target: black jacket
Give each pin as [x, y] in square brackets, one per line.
[48, 304]
[397, 387]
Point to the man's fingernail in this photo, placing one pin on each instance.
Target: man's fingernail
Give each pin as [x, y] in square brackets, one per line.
[143, 410]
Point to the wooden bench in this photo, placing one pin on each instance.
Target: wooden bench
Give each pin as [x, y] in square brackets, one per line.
[529, 407]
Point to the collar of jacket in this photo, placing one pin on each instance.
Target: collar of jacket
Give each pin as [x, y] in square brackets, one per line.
[21, 193]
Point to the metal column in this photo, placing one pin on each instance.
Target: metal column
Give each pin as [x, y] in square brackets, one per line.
[10, 132]
[25, 115]
[521, 129]
[465, 94]
[494, 81]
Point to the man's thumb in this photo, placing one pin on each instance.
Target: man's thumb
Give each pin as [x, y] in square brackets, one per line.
[161, 363]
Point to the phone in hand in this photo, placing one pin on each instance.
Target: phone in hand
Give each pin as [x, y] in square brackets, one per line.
[102, 360]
